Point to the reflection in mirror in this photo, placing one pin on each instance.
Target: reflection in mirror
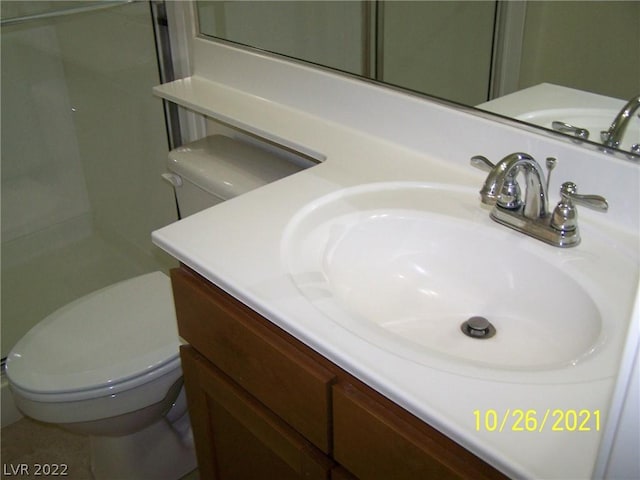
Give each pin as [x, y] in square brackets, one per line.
[333, 34]
[468, 52]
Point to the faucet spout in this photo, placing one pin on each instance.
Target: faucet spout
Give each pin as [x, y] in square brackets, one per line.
[502, 178]
[613, 136]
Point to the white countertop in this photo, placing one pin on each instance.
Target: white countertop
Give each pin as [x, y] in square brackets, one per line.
[237, 246]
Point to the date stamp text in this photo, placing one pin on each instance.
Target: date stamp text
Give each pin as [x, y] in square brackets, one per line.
[520, 420]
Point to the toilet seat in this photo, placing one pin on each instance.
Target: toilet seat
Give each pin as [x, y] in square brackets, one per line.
[105, 343]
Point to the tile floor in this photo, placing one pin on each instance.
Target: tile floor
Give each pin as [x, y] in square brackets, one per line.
[27, 442]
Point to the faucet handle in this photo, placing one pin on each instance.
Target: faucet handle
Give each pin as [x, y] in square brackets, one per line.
[595, 202]
[571, 129]
[565, 215]
[510, 196]
[481, 162]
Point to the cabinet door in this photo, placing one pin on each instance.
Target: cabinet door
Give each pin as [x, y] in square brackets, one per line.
[264, 360]
[340, 473]
[236, 437]
[377, 440]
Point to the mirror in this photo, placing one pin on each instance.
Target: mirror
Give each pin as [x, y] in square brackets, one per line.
[485, 54]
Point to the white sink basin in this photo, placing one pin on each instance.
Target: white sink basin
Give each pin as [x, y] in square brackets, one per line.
[594, 120]
[403, 265]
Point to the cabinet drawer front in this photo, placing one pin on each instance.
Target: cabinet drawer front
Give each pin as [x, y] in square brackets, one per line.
[244, 439]
[256, 355]
[374, 440]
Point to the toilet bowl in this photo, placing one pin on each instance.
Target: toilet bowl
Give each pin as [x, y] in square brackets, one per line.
[97, 358]
[107, 365]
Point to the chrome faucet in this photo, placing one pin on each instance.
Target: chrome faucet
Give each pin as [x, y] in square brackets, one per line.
[502, 179]
[531, 216]
[613, 136]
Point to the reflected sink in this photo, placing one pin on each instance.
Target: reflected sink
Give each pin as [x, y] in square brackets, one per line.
[545, 103]
[403, 264]
[595, 120]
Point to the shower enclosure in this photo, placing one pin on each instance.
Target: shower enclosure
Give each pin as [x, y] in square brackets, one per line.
[83, 145]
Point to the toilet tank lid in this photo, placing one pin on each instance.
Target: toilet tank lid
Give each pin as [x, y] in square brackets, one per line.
[112, 335]
[227, 167]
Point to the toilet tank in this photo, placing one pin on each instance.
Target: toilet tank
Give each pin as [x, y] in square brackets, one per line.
[217, 168]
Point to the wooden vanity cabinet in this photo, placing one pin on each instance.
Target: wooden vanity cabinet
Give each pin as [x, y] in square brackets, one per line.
[377, 440]
[237, 437]
[265, 406]
[256, 355]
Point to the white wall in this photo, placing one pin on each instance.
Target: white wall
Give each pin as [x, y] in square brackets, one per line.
[618, 456]
[624, 461]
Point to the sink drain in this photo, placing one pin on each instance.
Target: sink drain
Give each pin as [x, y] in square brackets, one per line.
[478, 327]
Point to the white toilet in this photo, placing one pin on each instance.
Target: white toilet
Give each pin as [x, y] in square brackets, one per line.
[107, 365]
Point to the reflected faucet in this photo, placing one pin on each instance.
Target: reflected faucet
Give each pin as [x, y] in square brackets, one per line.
[613, 136]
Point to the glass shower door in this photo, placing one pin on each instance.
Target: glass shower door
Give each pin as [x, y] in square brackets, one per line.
[83, 146]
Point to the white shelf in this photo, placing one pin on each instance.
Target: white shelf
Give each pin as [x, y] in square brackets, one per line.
[238, 109]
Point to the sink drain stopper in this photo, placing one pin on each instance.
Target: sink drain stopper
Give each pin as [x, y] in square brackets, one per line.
[478, 327]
